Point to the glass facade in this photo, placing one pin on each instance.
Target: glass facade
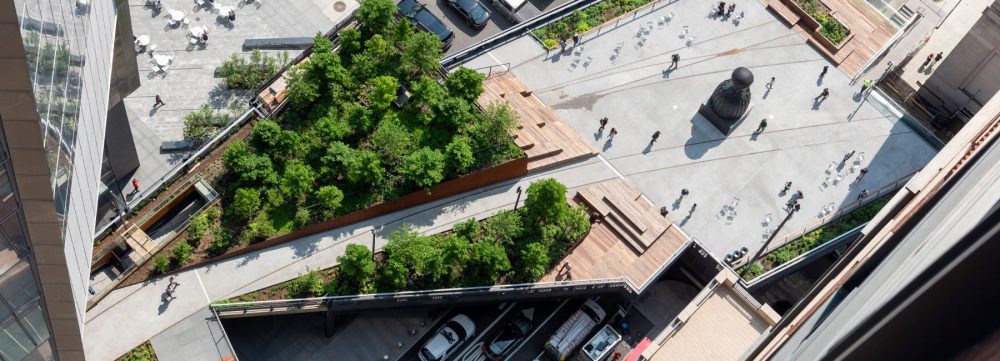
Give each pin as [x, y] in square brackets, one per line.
[24, 333]
[55, 43]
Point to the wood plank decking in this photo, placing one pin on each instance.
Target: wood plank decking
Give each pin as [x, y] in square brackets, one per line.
[607, 252]
[543, 135]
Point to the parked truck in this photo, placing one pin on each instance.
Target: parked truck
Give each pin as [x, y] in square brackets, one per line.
[509, 9]
[571, 334]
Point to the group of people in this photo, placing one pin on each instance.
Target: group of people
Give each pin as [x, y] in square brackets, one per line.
[172, 288]
[726, 11]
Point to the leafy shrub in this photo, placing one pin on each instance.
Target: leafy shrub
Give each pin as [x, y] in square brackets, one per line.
[182, 253]
[161, 263]
[197, 228]
[309, 284]
[248, 73]
[204, 123]
[246, 202]
[329, 197]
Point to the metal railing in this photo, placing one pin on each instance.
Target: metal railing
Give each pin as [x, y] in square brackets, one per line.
[844, 209]
[439, 296]
[819, 250]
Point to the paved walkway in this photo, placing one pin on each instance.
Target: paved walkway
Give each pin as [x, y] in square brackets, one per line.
[131, 315]
[200, 336]
[639, 96]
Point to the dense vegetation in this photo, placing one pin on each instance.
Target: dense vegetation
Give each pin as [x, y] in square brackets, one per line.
[205, 123]
[143, 352]
[815, 238]
[583, 20]
[831, 28]
[513, 246]
[240, 72]
[344, 143]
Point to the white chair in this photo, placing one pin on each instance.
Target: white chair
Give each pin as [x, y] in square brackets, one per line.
[171, 22]
[767, 219]
[829, 169]
[586, 62]
[861, 158]
[199, 2]
[193, 40]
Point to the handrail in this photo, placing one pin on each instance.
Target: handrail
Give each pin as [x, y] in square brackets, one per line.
[854, 232]
[407, 296]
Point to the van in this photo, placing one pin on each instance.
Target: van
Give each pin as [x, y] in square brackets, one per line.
[509, 8]
[571, 334]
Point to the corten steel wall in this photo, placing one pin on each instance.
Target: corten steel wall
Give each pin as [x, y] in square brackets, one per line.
[506, 171]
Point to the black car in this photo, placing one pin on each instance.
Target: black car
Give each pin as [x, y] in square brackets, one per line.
[422, 18]
[507, 340]
[474, 13]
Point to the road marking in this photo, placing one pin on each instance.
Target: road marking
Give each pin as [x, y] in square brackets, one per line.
[472, 350]
[613, 169]
[533, 332]
[203, 290]
[490, 53]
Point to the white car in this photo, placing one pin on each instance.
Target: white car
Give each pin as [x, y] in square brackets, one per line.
[448, 338]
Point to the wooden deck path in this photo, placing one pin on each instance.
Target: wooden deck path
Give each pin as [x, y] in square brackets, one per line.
[871, 31]
[606, 253]
[544, 136]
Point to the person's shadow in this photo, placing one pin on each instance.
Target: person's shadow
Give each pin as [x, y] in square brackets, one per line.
[599, 133]
[677, 203]
[649, 147]
[164, 302]
[819, 81]
[755, 134]
[766, 92]
[607, 145]
[816, 103]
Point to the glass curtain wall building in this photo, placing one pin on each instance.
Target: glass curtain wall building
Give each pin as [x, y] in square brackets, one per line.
[56, 76]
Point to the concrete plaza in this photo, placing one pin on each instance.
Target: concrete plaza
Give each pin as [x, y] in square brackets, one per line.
[190, 81]
[640, 96]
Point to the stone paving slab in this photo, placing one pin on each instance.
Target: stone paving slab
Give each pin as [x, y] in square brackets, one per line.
[197, 337]
[639, 96]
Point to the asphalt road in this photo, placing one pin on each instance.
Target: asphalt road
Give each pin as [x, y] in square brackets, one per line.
[466, 36]
[537, 311]
[483, 316]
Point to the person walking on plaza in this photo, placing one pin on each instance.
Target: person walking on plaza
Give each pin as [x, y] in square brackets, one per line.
[722, 8]
[865, 86]
[930, 57]
[685, 192]
[938, 57]
[674, 60]
[135, 185]
[159, 102]
[823, 73]
[656, 136]
[729, 11]
[861, 174]
[863, 194]
[824, 94]
[604, 121]
[770, 84]
[763, 124]
[576, 39]
[612, 133]
[788, 185]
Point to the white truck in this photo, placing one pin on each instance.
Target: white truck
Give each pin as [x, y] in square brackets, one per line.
[572, 333]
[509, 9]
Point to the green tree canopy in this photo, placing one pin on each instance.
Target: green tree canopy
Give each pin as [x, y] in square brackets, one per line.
[329, 197]
[357, 268]
[297, 180]
[465, 83]
[427, 95]
[425, 167]
[455, 252]
[460, 157]
[422, 54]
[504, 228]
[535, 260]
[246, 202]
[392, 140]
[253, 169]
[545, 202]
[375, 16]
[488, 262]
[421, 253]
[382, 91]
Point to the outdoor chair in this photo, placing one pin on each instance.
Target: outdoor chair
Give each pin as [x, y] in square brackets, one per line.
[861, 158]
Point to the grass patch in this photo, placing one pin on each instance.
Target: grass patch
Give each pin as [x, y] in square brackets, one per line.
[143, 352]
[831, 28]
[815, 238]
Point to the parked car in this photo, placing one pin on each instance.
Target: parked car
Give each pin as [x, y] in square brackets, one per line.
[513, 332]
[572, 333]
[425, 20]
[474, 13]
[509, 8]
[448, 338]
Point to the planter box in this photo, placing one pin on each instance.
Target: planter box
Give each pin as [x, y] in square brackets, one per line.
[805, 19]
[829, 45]
[810, 23]
[506, 171]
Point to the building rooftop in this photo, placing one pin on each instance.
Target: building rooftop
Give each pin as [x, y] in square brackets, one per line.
[719, 324]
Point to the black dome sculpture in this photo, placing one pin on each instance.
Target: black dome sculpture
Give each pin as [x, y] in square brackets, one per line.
[730, 102]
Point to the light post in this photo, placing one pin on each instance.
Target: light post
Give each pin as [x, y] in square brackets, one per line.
[373, 244]
[516, 201]
[794, 208]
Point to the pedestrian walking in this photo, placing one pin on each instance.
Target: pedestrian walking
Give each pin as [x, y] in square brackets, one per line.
[729, 11]
[938, 57]
[788, 185]
[170, 295]
[612, 133]
[664, 211]
[823, 73]
[824, 94]
[763, 124]
[562, 45]
[159, 102]
[863, 194]
[576, 39]
[656, 135]
[685, 192]
[930, 57]
[770, 84]
[847, 156]
[674, 60]
[799, 195]
[865, 86]
[861, 174]
[135, 185]
[604, 121]
[693, 207]
[722, 8]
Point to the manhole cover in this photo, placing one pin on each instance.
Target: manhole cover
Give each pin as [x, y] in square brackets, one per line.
[339, 6]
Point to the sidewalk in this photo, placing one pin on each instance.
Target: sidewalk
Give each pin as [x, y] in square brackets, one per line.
[131, 315]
